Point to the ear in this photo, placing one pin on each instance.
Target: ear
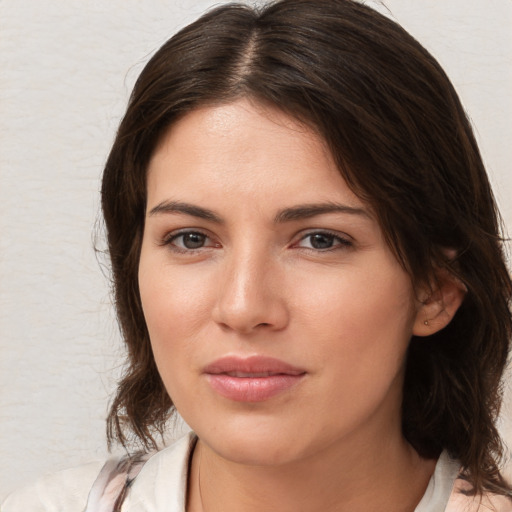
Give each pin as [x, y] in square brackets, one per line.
[438, 305]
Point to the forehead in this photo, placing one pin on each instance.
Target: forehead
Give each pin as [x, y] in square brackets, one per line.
[244, 120]
[247, 149]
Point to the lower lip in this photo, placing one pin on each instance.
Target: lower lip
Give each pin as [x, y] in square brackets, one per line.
[252, 389]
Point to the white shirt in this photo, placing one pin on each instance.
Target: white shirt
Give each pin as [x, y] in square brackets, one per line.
[162, 483]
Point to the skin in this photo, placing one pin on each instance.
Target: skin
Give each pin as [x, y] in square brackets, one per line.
[321, 292]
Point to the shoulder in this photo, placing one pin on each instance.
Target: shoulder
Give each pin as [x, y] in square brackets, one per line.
[162, 482]
[488, 502]
[65, 490]
[450, 492]
[153, 481]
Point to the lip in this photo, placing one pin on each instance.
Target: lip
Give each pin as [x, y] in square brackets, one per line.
[252, 379]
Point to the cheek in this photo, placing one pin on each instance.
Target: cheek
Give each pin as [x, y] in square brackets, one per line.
[174, 308]
[363, 319]
[359, 298]
[175, 305]
[172, 299]
[357, 334]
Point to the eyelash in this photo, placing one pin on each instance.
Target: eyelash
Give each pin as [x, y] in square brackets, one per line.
[342, 242]
[339, 242]
[172, 237]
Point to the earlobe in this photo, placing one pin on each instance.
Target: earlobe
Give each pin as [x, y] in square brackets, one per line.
[436, 310]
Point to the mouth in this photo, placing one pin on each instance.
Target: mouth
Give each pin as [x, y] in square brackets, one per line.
[252, 379]
[254, 375]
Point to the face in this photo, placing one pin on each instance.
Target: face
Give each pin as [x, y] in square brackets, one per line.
[278, 316]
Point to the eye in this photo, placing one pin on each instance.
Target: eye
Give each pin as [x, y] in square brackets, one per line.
[189, 241]
[323, 241]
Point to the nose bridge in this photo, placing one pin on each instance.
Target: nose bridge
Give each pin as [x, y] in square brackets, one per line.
[248, 296]
[249, 279]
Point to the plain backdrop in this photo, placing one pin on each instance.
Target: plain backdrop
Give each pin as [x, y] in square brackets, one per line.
[66, 69]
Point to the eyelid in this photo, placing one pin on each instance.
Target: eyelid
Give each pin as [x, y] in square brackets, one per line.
[169, 237]
[346, 241]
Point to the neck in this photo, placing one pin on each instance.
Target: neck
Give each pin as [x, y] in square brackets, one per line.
[356, 479]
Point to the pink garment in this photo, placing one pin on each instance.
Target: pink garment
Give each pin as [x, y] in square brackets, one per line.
[116, 477]
[111, 486]
[459, 502]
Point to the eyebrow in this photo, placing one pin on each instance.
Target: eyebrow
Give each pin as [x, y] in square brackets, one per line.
[311, 210]
[299, 212]
[186, 208]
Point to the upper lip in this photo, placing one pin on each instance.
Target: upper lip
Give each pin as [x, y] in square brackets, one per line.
[254, 366]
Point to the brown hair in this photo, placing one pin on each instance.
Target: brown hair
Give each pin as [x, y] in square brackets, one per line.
[402, 142]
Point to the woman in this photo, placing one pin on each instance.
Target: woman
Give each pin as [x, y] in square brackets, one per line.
[307, 266]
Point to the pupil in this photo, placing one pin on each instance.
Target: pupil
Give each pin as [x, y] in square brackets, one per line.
[193, 240]
[320, 241]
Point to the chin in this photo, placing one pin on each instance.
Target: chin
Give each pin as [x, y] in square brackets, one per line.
[256, 441]
[251, 451]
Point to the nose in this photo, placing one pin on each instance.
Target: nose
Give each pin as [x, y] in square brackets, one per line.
[250, 296]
